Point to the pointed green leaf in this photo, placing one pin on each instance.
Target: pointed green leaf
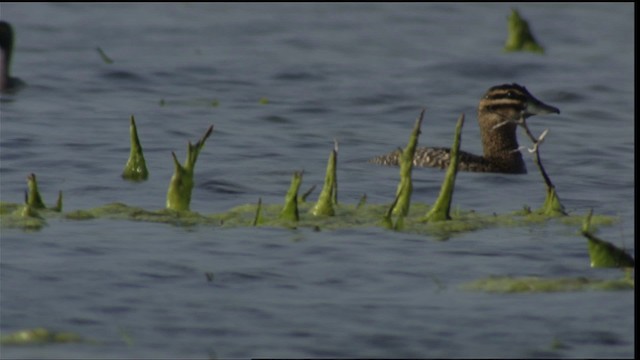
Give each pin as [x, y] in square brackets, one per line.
[327, 198]
[405, 186]
[441, 208]
[136, 167]
[290, 210]
[33, 195]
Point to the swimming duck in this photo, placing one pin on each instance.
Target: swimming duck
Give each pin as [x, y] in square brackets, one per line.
[498, 112]
[7, 83]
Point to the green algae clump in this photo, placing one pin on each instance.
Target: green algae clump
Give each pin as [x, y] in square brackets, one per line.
[136, 167]
[520, 37]
[181, 185]
[39, 336]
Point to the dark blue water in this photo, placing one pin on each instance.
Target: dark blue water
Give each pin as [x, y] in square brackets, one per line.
[359, 73]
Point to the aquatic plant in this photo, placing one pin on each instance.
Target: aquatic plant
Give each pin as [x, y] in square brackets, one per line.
[258, 219]
[328, 197]
[528, 284]
[34, 199]
[136, 167]
[103, 56]
[603, 253]
[552, 205]
[181, 184]
[441, 208]
[405, 186]
[520, 37]
[39, 336]
[290, 210]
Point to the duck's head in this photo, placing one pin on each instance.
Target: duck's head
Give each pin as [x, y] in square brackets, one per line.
[511, 102]
[499, 112]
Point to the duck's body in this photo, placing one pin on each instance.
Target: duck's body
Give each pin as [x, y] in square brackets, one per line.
[7, 82]
[498, 112]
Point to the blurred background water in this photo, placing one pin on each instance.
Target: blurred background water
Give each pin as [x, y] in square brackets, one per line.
[286, 80]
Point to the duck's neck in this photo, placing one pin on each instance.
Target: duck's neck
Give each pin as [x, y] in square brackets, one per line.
[499, 144]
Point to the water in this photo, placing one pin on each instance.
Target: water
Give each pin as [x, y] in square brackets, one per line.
[356, 72]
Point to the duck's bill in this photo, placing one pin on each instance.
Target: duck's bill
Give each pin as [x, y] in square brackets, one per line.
[537, 107]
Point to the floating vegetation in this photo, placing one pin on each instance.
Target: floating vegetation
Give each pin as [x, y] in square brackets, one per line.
[603, 253]
[181, 185]
[520, 37]
[263, 101]
[103, 56]
[39, 336]
[326, 213]
[528, 284]
[136, 167]
[30, 215]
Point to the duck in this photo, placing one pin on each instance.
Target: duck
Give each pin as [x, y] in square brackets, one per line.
[7, 82]
[500, 110]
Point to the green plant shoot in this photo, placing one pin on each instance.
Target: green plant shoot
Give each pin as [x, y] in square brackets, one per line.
[290, 210]
[181, 185]
[328, 196]
[405, 186]
[519, 36]
[34, 199]
[441, 208]
[136, 167]
[603, 253]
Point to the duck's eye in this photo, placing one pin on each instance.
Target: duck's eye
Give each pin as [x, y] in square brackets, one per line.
[509, 94]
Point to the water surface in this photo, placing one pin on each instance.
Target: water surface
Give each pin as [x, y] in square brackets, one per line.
[359, 73]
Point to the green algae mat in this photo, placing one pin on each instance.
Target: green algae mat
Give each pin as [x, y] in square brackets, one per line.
[436, 220]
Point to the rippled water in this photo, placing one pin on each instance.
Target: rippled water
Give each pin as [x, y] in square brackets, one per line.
[356, 72]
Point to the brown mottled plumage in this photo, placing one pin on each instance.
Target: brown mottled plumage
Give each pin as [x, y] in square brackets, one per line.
[498, 111]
